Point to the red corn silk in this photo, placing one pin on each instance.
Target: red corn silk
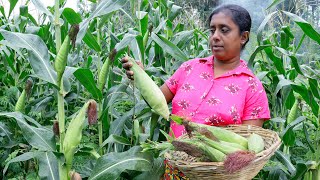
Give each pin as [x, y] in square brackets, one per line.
[238, 160]
[92, 113]
[55, 128]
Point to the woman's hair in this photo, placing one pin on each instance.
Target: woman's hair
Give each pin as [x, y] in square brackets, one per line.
[238, 14]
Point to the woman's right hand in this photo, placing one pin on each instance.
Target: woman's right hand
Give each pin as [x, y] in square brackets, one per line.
[127, 65]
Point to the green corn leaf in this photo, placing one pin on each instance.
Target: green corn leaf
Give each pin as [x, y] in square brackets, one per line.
[117, 126]
[282, 83]
[104, 7]
[301, 170]
[23, 157]
[313, 83]
[116, 139]
[307, 135]
[182, 38]
[38, 4]
[136, 46]
[143, 17]
[86, 78]
[91, 41]
[4, 131]
[286, 161]
[308, 97]
[262, 26]
[156, 171]
[287, 30]
[40, 138]
[278, 63]
[284, 40]
[153, 124]
[48, 166]
[305, 26]
[288, 135]
[294, 62]
[2, 11]
[169, 47]
[278, 173]
[71, 16]
[12, 5]
[256, 51]
[127, 39]
[38, 53]
[111, 165]
[175, 11]
[274, 3]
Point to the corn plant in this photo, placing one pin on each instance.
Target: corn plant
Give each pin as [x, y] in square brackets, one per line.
[292, 91]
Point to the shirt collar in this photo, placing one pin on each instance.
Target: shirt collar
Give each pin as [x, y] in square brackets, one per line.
[241, 69]
[206, 60]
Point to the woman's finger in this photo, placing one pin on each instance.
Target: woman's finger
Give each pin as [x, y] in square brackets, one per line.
[127, 65]
[129, 74]
[124, 60]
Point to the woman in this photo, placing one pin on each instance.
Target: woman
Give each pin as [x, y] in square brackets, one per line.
[220, 89]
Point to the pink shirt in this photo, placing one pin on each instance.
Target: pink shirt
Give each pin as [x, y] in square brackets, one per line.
[231, 98]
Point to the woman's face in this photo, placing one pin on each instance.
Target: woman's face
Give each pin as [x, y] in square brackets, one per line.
[225, 39]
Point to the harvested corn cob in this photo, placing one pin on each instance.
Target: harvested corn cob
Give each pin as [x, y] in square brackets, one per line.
[220, 133]
[226, 149]
[255, 143]
[149, 90]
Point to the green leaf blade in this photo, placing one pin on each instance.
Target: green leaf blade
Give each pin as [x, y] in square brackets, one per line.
[85, 77]
[110, 166]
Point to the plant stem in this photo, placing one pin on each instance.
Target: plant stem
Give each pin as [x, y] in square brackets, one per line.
[100, 127]
[61, 116]
[286, 149]
[63, 174]
[316, 173]
[57, 25]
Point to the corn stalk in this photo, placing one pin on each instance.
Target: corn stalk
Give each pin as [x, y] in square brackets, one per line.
[63, 174]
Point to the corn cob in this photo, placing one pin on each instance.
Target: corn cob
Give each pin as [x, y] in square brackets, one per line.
[209, 135]
[235, 145]
[293, 113]
[226, 149]
[19, 107]
[62, 58]
[255, 143]
[197, 148]
[220, 133]
[149, 90]
[74, 135]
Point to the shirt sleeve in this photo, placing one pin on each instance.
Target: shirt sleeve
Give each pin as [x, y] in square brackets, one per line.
[256, 102]
[175, 81]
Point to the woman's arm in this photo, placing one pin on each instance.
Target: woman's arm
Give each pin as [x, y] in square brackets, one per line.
[257, 122]
[167, 93]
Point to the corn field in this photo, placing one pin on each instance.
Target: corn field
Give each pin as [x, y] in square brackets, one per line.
[66, 104]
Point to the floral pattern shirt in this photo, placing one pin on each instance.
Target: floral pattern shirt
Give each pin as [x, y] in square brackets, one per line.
[232, 98]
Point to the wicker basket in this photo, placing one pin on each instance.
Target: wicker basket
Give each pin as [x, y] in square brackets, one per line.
[215, 170]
